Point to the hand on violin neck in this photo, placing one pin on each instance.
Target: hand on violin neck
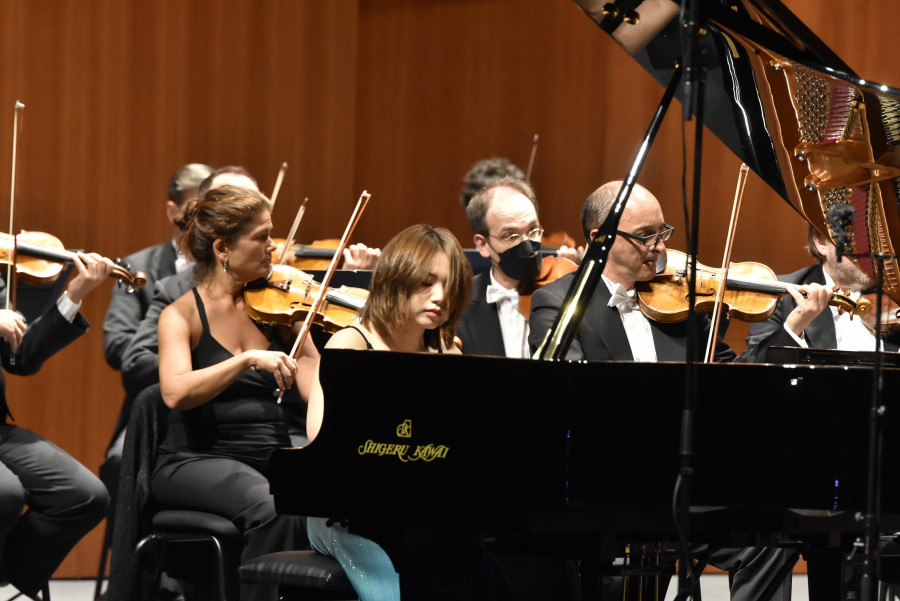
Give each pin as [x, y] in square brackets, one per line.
[91, 270]
[12, 327]
[811, 300]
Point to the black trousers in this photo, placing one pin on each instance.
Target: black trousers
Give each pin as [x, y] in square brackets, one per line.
[64, 501]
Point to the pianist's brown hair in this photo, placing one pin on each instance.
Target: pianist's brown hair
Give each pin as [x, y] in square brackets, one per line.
[401, 268]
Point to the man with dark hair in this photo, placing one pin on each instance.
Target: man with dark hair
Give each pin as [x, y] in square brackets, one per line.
[801, 318]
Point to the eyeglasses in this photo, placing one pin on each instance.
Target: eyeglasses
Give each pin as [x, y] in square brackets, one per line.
[651, 239]
[514, 238]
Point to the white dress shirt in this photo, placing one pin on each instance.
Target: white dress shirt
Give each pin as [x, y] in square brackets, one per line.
[851, 334]
[513, 325]
[637, 327]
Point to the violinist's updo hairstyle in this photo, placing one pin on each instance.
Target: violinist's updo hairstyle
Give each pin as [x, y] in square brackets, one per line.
[400, 270]
[224, 213]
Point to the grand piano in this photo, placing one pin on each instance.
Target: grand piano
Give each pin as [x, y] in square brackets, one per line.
[466, 453]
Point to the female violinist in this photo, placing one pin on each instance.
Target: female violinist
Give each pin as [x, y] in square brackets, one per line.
[420, 286]
[218, 372]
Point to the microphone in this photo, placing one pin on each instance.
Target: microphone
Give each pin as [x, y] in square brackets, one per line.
[840, 217]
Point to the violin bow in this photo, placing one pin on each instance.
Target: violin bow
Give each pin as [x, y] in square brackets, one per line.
[277, 188]
[323, 288]
[534, 144]
[10, 267]
[726, 261]
[289, 241]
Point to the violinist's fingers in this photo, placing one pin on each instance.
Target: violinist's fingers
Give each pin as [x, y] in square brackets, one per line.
[12, 327]
[811, 300]
[92, 270]
[360, 256]
[816, 295]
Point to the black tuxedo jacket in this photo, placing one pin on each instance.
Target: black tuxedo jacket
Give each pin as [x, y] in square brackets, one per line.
[819, 333]
[479, 328]
[126, 310]
[44, 336]
[601, 336]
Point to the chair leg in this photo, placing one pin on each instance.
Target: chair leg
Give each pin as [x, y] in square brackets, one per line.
[101, 570]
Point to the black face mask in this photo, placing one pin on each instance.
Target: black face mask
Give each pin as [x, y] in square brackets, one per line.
[522, 261]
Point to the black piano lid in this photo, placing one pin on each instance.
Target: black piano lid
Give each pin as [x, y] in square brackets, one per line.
[794, 112]
[732, 109]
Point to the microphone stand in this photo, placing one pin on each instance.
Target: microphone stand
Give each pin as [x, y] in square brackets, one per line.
[868, 581]
[840, 217]
[695, 67]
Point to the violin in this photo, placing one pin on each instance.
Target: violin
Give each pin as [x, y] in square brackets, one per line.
[552, 268]
[558, 239]
[288, 294]
[314, 256]
[751, 292]
[39, 259]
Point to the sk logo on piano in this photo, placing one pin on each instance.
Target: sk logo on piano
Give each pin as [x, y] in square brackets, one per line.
[404, 430]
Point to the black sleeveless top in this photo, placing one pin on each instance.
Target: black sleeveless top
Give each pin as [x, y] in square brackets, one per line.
[244, 422]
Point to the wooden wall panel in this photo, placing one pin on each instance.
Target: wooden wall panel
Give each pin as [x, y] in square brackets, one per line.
[396, 96]
[118, 95]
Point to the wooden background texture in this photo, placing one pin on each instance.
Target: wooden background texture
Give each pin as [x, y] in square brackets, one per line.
[398, 97]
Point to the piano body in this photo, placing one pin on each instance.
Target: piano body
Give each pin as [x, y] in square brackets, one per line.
[581, 456]
[574, 456]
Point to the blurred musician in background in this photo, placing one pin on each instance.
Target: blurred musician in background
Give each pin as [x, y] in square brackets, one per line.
[485, 172]
[803, 318]
[614, 329]
[61, 499]
[125, 310]
[218, 372]
[420, 286]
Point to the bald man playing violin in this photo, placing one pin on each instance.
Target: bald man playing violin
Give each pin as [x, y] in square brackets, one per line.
[62, 500]
[804, 319]
[614, 329]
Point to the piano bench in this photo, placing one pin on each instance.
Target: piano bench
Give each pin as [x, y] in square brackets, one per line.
[299, 575]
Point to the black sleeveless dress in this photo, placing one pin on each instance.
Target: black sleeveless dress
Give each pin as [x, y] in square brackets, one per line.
[244, 422]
